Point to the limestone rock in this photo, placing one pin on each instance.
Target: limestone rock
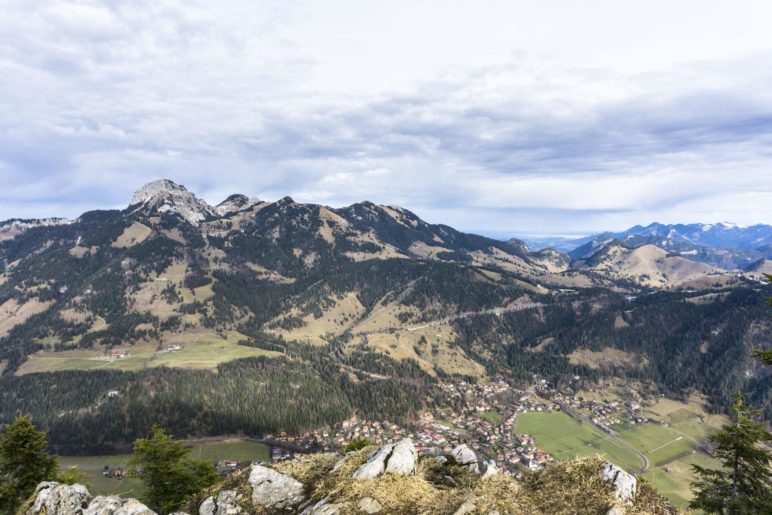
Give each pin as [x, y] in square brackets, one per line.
[466, 507]
[616, 510]
[370, 505]
[208, 507]
[273, 489]
[403, 458]
[375, 464]
[395, 458]
[324, 507]
[113, 505]
[624, 484]
[490, 469]
[465, 456]
[54, 498]
[165, 196]
[227, 503]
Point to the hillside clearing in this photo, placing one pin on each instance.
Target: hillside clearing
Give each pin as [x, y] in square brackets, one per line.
[202, 349]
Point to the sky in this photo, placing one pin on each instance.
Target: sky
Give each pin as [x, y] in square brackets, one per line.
[498, 117]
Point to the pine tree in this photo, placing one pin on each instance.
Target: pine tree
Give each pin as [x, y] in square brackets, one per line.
[742, 485]
[765, 355]
[170, 476]
[23, 463]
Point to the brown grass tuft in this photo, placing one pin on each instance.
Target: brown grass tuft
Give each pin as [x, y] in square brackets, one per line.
[568, 487]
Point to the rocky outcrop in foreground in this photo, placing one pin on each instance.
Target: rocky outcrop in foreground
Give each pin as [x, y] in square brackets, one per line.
[390, 479]
[53, 498]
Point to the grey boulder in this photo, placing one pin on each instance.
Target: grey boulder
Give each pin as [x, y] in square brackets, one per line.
[466, 457]
[624, 484]
[51, 497]
[113, 505]
[490, 469]
[324, 507]
[273, 489]
[395, 458]
[226, 503]
[403, 459]
[369, 505]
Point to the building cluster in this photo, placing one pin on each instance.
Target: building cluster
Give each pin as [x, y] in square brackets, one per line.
[355, 428]
[482, 416]
[607, 415]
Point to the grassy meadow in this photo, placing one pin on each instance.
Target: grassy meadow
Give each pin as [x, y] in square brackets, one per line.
[202, 349]
[565, 437]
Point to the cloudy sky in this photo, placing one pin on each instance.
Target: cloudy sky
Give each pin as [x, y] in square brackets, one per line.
[500, 117]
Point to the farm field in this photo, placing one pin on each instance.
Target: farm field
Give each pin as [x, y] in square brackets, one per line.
[689, 418]
[201, 349]
[231, 449]
[671, 450]
[659, 443]
[566, 437]
[92, 466]
[673, 480]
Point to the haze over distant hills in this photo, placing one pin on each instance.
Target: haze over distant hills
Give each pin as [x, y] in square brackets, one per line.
[725, 245]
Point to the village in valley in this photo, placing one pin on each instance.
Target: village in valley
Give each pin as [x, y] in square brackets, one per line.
[517, 431]
[483, 416]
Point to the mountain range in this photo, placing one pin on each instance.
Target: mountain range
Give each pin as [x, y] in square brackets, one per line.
[363, 306]
[724, 245]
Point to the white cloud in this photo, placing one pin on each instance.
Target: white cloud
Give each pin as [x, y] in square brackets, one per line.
[494, 116]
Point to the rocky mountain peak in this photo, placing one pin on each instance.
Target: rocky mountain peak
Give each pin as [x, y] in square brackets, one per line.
[235, 203]
[160, 187]
[166, 196]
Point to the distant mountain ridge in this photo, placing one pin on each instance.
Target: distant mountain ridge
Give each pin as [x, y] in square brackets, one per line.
[724, 245]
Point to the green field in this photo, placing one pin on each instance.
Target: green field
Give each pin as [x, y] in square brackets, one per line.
[659, 443]
[494, 417]
[673, 480]
[671, 450]
[566, 437]
[233, 449]
[92, 466]
[202, 349]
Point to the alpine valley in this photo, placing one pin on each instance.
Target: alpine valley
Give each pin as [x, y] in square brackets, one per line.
[254, 317]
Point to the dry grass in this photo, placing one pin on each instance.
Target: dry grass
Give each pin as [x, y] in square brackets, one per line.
[12, 313]
[652, 266]
[430, 347]
[345, 310]
[577, 486]
[608, 357]
[566, 487]
[620, 322]
[135, 234]
[397, 494]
